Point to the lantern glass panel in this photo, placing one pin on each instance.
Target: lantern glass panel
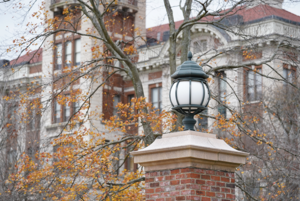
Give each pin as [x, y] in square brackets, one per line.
[196, 93]
[173, 95]
[183, 93]
[206, 99]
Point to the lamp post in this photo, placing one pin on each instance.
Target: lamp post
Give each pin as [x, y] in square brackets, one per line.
[189, 94]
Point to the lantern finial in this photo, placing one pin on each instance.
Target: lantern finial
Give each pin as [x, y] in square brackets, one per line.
[190, 55]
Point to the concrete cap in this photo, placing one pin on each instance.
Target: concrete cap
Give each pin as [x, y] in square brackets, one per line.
[189, 149]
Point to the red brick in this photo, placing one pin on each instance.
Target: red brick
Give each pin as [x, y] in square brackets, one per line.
[148, 180]
[205, 188]
[206, 199]
[169, 177]
[191, 197]
[220, 184]
[233, 191]
[199, 171]
[154, 75]
[220, 173]
[180, 198]
[230, 196]
[220, 195]
[230, 175]
[187, 192]
[210, 172]
[154, 184]
[215, 189]
[232, 180]
[154, 195]
[187, 170]
[164, 183]
[166, 194]
[175, 193]
[192, 175]
[226, 190]
[205, 177]
[230, 185]
[180, 187]
[175, 171]
[200, 192]
[198, 181]
[160, 199]
[210, 194]
[175, 182]
[170, 199]
[153, 174]
[159, 178]
[180, 176]
[216, 178]
[147, 174]
[211, 183]
[187, 181]
[149, 190]
[192, 186]
[158, 190]
[224, 179]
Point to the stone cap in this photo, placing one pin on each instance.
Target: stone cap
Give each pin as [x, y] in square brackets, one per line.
[189, 149]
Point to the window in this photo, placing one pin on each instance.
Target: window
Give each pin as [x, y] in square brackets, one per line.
[158, 36]
[253, 84]
[58, 55]
[222, 92]
[62, 113]
[115, 161]
[289, 73]
[76, 107]
[117, 99]
[68, 53]
[12, 137]
[57, 110]
[67, 110]
[156, 98]
[129, 98]
[35, 115]
[77, 52]
[200, 46]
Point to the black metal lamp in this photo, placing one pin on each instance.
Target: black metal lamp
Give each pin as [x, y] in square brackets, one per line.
[189, 94]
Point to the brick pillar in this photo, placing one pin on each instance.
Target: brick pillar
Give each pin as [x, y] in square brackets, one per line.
[189, 165]
[190, 184]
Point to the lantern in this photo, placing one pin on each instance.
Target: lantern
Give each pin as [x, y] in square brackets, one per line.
[189, 94]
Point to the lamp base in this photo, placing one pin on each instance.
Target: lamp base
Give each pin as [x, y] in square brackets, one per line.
[189, 122]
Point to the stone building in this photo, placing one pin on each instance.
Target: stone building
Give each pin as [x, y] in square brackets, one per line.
[259, 27]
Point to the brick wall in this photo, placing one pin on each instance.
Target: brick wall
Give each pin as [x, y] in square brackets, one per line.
[190, 184]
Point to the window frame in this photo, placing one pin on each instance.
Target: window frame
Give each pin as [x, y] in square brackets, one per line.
[151, 87]
[62, 110]
[289, 68]
[221, 108]
[255, 85]
[63, 43]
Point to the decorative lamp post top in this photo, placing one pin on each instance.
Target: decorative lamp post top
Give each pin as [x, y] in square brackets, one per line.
[189, 69]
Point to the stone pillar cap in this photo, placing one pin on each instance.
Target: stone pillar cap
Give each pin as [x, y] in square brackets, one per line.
[189, 149]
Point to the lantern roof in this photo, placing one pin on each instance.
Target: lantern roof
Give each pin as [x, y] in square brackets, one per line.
[189, 69]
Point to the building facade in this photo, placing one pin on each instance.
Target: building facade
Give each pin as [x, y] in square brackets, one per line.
[248, 38]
